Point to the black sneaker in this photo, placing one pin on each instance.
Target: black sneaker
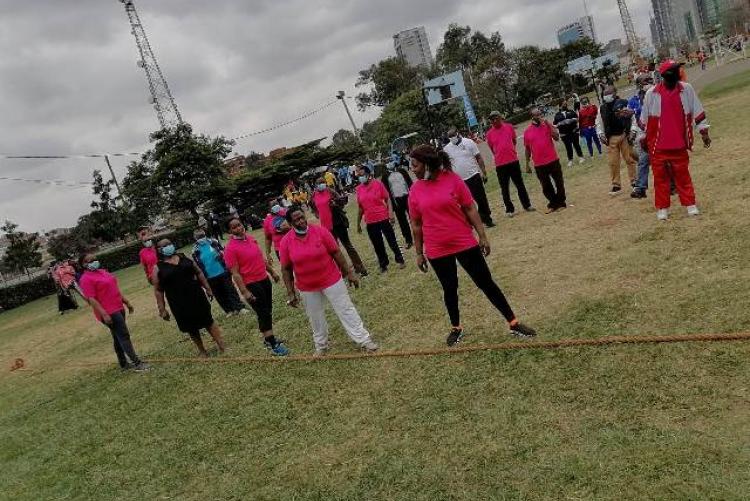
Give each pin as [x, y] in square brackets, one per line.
[522, 331]
[141, 367]
[455, 337]
[638, 193]
[615, 190]
[490, 224]
[363, 273]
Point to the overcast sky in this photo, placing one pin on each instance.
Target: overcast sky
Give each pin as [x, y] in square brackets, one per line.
[69, 83]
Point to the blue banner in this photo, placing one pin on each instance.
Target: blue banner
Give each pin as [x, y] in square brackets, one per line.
[471, 117]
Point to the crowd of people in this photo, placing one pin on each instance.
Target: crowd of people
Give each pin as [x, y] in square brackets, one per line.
[441, 207]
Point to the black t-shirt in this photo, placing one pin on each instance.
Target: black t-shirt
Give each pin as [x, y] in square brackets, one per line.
[614, 125]
[566, 122]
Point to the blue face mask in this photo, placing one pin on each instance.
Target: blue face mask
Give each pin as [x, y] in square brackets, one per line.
[321, 187]
[168, 250]
[275, 209]
[363, 179]
[93, 265]
[300, 232]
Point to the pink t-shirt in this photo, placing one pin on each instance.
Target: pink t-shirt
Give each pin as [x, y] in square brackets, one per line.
[438, 204]
[372, 198]
[148, 260]
[311, 258]
[322, 201]
[538, 138]
[248, 257]
[502, 142]
[268, 231]
[102, 286]
[672, 132]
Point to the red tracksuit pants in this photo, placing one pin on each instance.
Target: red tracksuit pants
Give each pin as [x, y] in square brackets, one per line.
[669, 165]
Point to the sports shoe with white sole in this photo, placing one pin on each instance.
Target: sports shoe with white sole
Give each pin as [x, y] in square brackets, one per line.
[522, 331]
[692, 210]
[455, 336]
[510, 214]
[570, 163]
[370, 346]
[581, 160]
[662, 214]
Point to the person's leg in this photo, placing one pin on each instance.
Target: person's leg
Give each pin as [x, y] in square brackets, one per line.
[198, 342]
[476, 187]
[263, 306]
[122, 337]
[313, 303]
[542, 173]
[447, 273]
[643, 168]
[556, 173]
[121, 360]
[577, 145]
[662, 181]
[401, 208]
[350, 320]
[375, 232]
[626, 151]
[221, 293]
[342, 235]
[503, 177]
[597, 141]
[390, 237]
[215, 332]
[613, 157]
[683, 181]
[473, 262]
[514, 171]
[568, 142]
[586, 133]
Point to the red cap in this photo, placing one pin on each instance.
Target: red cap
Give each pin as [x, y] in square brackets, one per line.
[668, 65]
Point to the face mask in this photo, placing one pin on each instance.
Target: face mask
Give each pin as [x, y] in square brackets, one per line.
[168, 250]
[300, 232]
[427, 175]
[363, 179]
[321, 187]
[201, 240]
[148, 243]
[275, 209]
[608, 98]
[93, 265]
[456, 139]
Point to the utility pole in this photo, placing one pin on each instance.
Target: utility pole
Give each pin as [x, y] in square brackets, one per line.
[114, 178]
[342, 96]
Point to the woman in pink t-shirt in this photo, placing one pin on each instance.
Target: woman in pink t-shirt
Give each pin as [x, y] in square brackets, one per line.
[312, 262]
[375, 206]
[443, 214]
[103, 294]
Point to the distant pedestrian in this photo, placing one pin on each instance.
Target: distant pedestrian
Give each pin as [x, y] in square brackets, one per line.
[64, 276]
[539, 140]
[103, 294]
[613, 124]
[376, 209]
[214, 226]
[501, 139]
[443, 213]
[468, 164]
[398, 183]
[643, 82]
[587, 124]
[208, 254]
[187, 291]
[147, 256]
[272, 238]
[566, 122]
[313, 264]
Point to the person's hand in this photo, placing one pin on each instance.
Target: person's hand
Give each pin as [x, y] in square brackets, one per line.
[392, 218]
[164, 314]
[631, 137]
[422, 263]
[484, 177]
[293, 299]
[353, 279]
[248, 296]
[603, 139]
[209, 294]
[107, 319]
[275, 277]
[359, 228]
[484, 245]
[706, 140]
[131, 310]
[269, 259]
[528, 168]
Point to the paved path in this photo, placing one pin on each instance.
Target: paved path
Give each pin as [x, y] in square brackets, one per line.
[701, 79]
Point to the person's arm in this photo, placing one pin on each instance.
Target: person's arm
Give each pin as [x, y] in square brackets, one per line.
[237, 278]
[699, 114]
[97, 307]
[528, 159]
[346, 271]
[291, 292]
[473, 216]
[554, 132]
[359, 218]
[391, 214]
[129, 305]
[274, 276]
[599, 123]
[416, 231]
[159, 295]
[269, 243]
[482, 167]
[202, 280]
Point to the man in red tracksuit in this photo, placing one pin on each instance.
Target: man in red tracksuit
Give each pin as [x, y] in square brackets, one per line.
[670, 111]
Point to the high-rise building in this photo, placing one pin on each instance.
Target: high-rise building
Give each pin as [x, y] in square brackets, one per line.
[412, 46]
[677, 21]
[581, 28]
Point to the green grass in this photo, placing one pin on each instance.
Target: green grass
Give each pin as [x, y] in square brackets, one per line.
[621, 422]
[727, 85]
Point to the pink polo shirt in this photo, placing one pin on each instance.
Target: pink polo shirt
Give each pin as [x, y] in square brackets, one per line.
[502, 142]
[148, 260]
[372, 199]
[248, 258]
[439, 204]
[268, 231]
[538, 138]
[311, 258]
[672, 131]
[322, 201]
[102, 286]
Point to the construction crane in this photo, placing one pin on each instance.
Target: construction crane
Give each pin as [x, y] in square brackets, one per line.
[161, 97]
[627, 25]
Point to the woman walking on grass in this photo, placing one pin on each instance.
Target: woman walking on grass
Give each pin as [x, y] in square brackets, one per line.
[250, 272]
[103, 294]
[443, 214]
[187, 291]
[312, 262]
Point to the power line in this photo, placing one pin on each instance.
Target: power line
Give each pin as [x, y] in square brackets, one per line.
[284, 124]
[59, 157]
[55, 182]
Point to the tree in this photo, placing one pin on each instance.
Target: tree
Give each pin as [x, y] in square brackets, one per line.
[108, 222]
[24, 252]
[389, 79]
[343, 137]
[65, 245]
[253, 160]
[142, 196]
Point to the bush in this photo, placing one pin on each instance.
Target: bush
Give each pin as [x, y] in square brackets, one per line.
[124, 257]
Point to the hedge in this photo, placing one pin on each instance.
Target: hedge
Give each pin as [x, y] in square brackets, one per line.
[124, 257]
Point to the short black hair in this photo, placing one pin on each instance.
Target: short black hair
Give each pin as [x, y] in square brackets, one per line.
[291, 210]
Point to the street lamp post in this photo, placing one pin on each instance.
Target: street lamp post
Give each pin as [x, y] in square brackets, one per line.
[342, 96]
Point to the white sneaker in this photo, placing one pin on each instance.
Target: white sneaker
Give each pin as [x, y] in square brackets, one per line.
[581, 160]
[570, 163]
[370, 346]
[662, 214]
[510, 214]
[693, 210]
[321, 351]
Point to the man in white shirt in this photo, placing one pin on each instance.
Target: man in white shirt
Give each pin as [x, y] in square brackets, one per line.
[468, 163]
[398, 183]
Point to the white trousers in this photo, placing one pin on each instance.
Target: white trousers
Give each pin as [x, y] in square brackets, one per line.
[338, 296]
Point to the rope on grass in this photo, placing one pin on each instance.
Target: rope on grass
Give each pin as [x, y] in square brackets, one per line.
[528, 345]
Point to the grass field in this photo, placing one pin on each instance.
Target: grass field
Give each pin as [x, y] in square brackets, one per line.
[621, 422]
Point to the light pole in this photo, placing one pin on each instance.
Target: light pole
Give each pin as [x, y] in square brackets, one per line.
[342, 96]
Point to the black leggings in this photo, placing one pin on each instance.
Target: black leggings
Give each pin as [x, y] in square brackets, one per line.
[472, 261]
[121, 338]
[263, 304]
[376, 232]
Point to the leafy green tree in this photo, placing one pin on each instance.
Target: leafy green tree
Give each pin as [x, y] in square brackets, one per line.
[142, 196]
[388, 79]
[343, 137]
[66, 245]
[24, 252]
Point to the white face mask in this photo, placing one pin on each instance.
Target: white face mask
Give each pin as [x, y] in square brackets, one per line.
[456, 139]
[608, 98]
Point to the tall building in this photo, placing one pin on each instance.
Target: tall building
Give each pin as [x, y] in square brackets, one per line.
[677, 21]
[412, 46]
[581, 28]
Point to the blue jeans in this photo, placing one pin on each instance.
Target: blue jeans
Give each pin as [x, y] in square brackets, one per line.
[644, 162]
[590, 135]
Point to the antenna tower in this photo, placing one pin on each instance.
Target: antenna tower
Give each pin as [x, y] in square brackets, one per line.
[161, 96]
[627, 25]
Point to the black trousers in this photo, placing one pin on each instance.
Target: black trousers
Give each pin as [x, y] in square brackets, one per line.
[121, 339]
[553, 186]
[472, 261]
[512, 172]
[263, 304]
[341, 233]
[225, 293]
[401, 208]
[572, 142]
[476, 187]
[376, 232]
